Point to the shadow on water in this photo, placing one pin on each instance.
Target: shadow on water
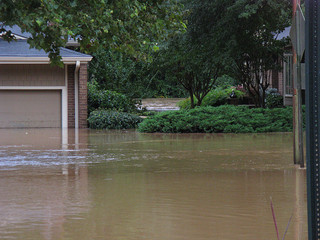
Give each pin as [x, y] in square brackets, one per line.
[90, 184]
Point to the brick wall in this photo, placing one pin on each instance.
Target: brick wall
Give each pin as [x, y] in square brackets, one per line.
[275, 79]
[281, 83]
[83, 107]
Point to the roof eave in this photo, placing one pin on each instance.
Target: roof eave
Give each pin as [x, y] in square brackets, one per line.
[41, 60]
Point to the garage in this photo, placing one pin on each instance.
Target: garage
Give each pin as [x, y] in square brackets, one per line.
[37, 94]
[30, 109]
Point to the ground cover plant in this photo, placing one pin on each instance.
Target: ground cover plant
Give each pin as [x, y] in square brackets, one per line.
[222, 119]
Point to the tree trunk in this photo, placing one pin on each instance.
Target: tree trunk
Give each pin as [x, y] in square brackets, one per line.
[191, 98]
[263, 97]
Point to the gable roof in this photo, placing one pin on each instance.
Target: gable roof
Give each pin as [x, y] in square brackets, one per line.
[19, 51]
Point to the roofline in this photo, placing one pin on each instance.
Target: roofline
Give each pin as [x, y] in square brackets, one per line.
[41, 60]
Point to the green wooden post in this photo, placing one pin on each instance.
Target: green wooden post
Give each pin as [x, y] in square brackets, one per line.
[313, 118]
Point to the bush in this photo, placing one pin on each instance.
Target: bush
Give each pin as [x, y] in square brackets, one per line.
[274, 101]
[104, 99]
[107, 119]
[218, 96]
[223, 119]
[214, 98]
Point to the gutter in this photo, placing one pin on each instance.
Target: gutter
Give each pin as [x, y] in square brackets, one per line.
[76, 95]
[40, 60]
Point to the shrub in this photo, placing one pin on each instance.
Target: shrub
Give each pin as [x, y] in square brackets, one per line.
[220, 96]
[216, 97]
[186, 103]
[274, 101]
[107, 119]
[222, 119]
[104, 99]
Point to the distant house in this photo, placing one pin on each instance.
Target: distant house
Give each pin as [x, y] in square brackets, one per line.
[283, 80]
[34, 94]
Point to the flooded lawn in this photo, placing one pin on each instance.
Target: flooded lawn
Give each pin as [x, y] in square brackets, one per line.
[125, 185]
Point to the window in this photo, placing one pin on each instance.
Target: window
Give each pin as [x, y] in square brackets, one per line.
[288, 74]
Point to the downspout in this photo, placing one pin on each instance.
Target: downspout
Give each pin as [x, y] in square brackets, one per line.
[76, 95]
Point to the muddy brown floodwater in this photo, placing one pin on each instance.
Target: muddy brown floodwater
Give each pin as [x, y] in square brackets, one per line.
[126, 185]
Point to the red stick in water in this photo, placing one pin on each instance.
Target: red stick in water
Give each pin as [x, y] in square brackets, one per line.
[274, 219]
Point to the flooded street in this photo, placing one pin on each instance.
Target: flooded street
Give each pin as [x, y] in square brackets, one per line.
[112, 185]
[161, 104]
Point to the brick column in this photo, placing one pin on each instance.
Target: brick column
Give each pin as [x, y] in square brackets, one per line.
[83, 96]
[71, 107]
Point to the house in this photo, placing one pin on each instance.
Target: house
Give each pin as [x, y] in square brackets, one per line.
[35, 94]
[283, 81]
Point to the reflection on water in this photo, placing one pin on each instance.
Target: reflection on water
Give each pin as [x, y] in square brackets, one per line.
[125, 185]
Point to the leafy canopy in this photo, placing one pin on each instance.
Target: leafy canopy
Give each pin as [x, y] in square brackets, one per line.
[242, 34]
[126, 25]
[234, 37]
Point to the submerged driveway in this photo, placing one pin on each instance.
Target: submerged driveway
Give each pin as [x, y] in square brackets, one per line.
[91, 184]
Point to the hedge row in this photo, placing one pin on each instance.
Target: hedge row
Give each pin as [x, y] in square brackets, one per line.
[108, 119]
[222, 119]
[105, 99]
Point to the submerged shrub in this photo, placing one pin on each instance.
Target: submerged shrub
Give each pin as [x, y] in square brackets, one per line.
[108, 119]
[222, 119]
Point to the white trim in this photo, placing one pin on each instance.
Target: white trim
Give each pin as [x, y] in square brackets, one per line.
[16, 36]
[41, 60]
[64, 138]
[32, 87]
[284, 76]
[64, 98]
[76, 95]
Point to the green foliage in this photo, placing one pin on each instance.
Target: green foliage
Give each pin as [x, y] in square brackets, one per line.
[105, 99]
[131, 26]
[120, 72]
[107, 119]
[184, 104]
[274, 101]
[225, 81]
[187, 59]
[241, 36]
[222, 119]
[220, 96]
[214, 98]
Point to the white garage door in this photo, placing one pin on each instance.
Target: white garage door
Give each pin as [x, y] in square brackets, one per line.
[30, 108]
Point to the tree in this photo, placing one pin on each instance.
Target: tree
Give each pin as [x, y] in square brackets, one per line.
[257, 48]
[123, 73]
[188, 59]
[126, 25]
[243, 35]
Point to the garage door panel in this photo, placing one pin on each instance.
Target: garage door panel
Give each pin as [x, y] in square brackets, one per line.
[30, 108]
